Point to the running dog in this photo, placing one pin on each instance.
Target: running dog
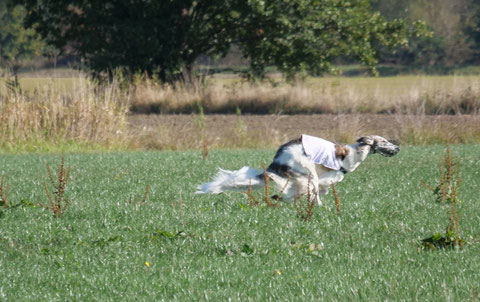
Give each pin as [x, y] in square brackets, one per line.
[305, 165]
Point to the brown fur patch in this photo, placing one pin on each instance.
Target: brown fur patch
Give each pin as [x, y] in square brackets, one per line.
[341, 151]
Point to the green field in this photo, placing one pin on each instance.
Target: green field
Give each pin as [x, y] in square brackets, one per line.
[180, 246]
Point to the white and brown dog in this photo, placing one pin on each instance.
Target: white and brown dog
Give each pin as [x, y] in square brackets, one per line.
[303, 165]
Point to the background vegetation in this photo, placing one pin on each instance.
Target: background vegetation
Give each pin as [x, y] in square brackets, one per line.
[127, 225]
[164, 39]
[456, 28]
[167, 39]
[159, 57]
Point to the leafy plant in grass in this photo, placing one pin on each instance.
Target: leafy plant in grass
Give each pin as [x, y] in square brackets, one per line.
[58, 202]
[159, 234]
[447, 193]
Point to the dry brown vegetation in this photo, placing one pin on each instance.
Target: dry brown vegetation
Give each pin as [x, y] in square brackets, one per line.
[86, 114]
[394, 95]
[179, 132]
[414, 110]
[58, 202]
[135, 201]
[305, 207]
[447, 191]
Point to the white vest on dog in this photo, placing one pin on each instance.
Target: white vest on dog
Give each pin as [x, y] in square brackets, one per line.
[321, 152]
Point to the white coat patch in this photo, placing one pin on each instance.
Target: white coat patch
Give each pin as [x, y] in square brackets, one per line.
[321, 152]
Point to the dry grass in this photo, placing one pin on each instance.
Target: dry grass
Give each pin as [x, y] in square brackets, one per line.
[87, 114]
[414, 110]
[179, 132]
[401, 95]
[417, 110]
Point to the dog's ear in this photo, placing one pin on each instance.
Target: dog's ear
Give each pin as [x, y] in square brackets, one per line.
[365, 140]
[341, 151]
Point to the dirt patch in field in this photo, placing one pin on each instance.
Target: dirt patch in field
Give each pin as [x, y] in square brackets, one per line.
[224, 131]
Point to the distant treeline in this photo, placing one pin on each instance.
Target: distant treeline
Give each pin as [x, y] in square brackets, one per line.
[455, 39]
[456, 31]
[166, 39]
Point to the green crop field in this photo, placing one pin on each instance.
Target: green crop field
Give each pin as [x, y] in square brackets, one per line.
[180, 246]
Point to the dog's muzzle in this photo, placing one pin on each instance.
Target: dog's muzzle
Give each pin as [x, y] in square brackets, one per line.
[387, 151]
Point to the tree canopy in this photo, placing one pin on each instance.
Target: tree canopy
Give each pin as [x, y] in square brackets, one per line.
[308, 35]
[165, 38]
[455, 26]
[16, 43]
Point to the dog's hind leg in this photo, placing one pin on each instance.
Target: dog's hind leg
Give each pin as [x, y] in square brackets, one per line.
[299, 187]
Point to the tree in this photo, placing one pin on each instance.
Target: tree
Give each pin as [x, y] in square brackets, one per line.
[452, 24]
[165, 37]
[473, 32]
[158, 37]
[16, 43]
[308, 35]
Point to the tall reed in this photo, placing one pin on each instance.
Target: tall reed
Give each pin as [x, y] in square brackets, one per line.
[87, 114]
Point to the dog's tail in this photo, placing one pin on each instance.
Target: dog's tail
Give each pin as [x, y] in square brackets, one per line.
[239, 180]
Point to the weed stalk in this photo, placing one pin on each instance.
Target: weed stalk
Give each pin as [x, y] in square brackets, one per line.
[145, 197]
[58, 202]
[305, 211]
[251, 199]
[447, 190]
[4, 192]
[337, 199]
[205, 149]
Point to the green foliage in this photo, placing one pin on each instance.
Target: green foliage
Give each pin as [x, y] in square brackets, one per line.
[455, 26]
[164, 38]
[17, 44]
[306, 36]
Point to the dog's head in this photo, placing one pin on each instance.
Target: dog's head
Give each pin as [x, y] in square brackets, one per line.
[379, 144]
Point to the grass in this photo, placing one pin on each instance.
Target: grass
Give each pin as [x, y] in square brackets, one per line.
[406, 94]
[181, 132]
[180, 246]
[75, 114]
[397, 95]
[50, 117]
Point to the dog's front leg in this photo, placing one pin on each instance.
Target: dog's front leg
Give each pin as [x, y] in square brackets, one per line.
[314, 187]
[317, 193]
